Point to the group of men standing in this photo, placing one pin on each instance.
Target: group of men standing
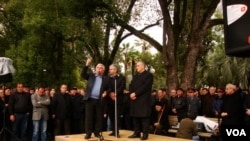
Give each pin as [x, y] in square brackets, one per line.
[103, 97]
[109, 89]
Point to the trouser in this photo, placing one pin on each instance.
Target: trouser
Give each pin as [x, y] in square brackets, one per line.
[141, 124]
[94, 116]
[62, 126]
[19, 127]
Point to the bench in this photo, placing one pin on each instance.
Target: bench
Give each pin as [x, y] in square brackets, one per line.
[173, 121]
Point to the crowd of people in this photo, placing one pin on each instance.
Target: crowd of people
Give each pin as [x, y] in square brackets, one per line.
[106, 104]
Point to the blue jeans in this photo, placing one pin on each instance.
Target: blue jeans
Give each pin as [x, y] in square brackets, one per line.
[19, 127]
[42, 125]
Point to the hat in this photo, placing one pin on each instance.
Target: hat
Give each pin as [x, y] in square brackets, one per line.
[158, 103]
[220, 90]
[180, 89]
[191, 90]
[73, 88]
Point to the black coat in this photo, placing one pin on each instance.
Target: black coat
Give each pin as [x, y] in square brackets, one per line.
[119, 82]
[77, 106]
[233, 105]
[61, 106]
[141, 85]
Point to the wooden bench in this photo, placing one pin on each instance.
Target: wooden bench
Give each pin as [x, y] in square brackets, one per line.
[173, 121]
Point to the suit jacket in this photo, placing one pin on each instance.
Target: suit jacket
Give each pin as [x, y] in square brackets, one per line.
[61, 106]
[233, 105]
[40, 106]
[117, 87]
[90, 77]
[141, 85]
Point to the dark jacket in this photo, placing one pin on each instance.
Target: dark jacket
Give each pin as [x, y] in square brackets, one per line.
[180, 103]
[247, 106]
[161, 116]
[20, 103]
[193, 106]
[77, 106]
[141, 85]
[90, 77]
[233, 105]
[119, 82]
[61, 106]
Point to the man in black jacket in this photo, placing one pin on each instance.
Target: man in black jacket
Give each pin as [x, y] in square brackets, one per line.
[61, 111]
[117, 84]
[140, 106]
[19, 110]
[95, 93]
[77, 119]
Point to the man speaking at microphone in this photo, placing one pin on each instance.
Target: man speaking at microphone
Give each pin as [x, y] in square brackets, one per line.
[95, 92]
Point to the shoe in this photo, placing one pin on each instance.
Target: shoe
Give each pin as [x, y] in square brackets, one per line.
[144, 137]
[134, 136]
[97, 135]
[112, 134]
[87, 136]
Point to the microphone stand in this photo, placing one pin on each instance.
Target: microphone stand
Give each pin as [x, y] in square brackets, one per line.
[116, 116]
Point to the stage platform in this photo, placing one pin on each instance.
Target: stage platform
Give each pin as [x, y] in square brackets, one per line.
[123, 137]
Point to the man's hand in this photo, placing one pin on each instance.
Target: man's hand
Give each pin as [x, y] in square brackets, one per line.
[88, 62]
[104, 94]
[174, 110]
[12, 118]
[132, 96]
[156, 124]
[248, 112]
[112, 96]
[224, 114]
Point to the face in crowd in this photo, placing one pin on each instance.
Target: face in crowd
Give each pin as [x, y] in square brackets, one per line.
[140, 67]
[99, 69]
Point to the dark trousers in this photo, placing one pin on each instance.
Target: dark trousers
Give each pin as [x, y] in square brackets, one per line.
[141, 124]
[93, 116]
[77, 126]
[62, 126]
[19, 127]
[113, 117]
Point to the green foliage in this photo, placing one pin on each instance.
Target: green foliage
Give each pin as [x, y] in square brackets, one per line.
[47, 52]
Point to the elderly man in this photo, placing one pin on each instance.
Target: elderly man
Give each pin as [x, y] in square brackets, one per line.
[232, 112]
[232, 107]
[95, 92]
[140, 106]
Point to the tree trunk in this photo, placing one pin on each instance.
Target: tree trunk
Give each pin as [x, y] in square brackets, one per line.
[189, 70]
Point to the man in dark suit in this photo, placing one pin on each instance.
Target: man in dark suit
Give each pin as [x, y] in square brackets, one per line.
[61, 111]
[232, 112]
[95, 92]
[140, 95]
[117, 84]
